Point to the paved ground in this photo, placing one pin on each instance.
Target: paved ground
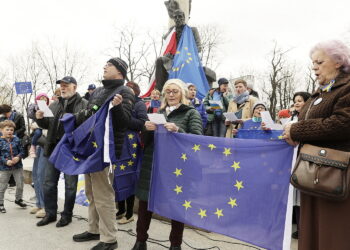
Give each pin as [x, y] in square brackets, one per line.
[18, 231]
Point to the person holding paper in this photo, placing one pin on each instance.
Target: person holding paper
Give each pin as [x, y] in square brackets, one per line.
[216, 104]
[242, 105]
[181, 118]
[69, 102]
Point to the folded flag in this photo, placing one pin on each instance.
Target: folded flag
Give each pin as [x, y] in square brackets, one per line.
[127, 168]
[81, 150]
[234, 187]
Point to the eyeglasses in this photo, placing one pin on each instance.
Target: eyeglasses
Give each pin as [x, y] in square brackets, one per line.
[174, 91]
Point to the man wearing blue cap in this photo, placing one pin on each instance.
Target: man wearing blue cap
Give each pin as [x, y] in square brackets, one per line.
[69, 102]
[91, 90]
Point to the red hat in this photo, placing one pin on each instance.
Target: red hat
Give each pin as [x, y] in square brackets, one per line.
[284, 113]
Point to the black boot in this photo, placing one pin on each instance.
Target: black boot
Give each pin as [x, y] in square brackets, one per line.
[175, 248]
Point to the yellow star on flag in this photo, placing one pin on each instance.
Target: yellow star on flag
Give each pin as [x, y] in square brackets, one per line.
[219, 213]
[190, 58]
[131, 136]
[122, 167]
[94, 144]
[130, 163]
[232, 202]
[76, 158]
[280, 137]
[114, 166]
[196, 147]
[239, 185]
[235, 165]
[134, 155]
[134, 145]
[188, 53]
[211, 146]
[187, 204]
[178, 172]
[227, 151]
[202, 213]
[178, 189]
[177, 52]
[184, 157]
[186, 48]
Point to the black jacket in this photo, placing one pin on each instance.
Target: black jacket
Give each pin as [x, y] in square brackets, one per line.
[138, 115]
[54, 128]
[120, 114]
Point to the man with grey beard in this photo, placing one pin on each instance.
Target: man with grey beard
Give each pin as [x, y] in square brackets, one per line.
[69, 102]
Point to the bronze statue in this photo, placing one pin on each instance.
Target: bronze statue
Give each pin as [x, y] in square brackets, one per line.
[164, 63]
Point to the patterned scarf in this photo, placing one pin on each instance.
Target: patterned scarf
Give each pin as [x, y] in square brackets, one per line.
[239, 99]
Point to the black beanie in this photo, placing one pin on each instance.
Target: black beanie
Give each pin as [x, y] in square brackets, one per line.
[120, 65]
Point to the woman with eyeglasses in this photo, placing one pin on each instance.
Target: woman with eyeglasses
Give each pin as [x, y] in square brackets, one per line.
[181, 118]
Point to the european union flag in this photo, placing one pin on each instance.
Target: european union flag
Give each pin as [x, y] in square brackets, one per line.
[127, 168]
[81, 150]
[235, 187]
[259, 134]
[23, 88]
[187, 65]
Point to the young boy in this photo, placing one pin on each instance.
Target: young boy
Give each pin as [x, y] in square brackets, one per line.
[11, 153]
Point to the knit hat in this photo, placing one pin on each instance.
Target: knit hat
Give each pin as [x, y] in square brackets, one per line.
[120, 65]
[259, 104]
[284, 113]
[41, 95]
[222, 81]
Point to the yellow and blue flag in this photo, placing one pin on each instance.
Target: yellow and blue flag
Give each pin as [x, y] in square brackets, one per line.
[235, 187]
[187, 65]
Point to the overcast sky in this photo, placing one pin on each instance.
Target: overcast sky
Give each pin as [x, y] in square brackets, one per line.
[249, 26]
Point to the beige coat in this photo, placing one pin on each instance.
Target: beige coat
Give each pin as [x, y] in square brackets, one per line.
[247, 112]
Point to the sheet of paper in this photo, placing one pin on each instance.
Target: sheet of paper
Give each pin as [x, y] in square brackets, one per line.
[284, 121]
[215, 104]
[157, 118]
[231, 116]
[269, 123]
[43, 107]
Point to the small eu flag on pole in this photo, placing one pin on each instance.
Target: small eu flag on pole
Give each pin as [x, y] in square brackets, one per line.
[23, 88]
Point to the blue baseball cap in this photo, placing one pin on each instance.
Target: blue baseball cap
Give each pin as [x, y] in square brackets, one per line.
[92, 86]
[67, 79]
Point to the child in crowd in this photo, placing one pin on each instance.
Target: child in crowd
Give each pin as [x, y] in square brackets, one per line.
[11, 153]
[37, 132]
[154, 104]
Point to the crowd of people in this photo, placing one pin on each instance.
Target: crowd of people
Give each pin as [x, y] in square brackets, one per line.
[321, 118]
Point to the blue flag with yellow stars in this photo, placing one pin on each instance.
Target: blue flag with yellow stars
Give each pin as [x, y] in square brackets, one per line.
[234, 187]
[127, 168]
[81, 149]
[259, 134]
[187, 65]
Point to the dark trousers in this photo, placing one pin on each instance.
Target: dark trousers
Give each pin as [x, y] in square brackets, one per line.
[52, 176]
[12, 181]
[144, 221]
[161, 74]
[129, 206]
[296, 216]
